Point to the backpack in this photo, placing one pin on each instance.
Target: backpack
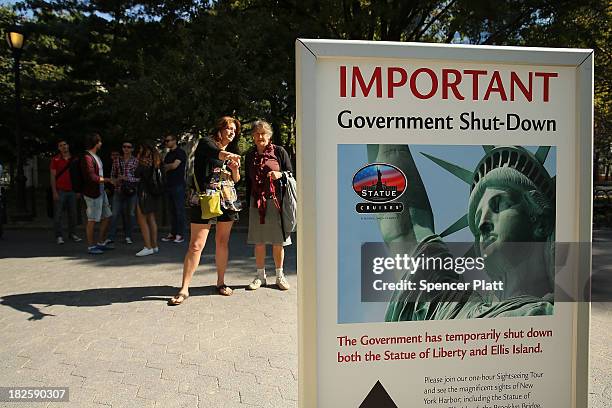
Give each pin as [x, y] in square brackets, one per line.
[156, 184]
[288, 204]
[76, 174]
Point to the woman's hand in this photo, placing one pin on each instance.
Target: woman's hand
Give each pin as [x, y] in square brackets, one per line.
[232, 157]
[275, 175]
[234, 166]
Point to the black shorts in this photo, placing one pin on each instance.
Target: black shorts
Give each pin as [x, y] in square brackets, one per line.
[196, 216]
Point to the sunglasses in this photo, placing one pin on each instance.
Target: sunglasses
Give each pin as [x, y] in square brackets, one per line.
[127, 146]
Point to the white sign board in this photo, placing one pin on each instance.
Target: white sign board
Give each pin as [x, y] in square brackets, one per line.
[445, 223]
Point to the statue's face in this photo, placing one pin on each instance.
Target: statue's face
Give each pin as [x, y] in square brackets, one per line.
[501, 217]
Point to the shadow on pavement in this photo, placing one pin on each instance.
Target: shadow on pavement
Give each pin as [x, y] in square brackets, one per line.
[39, 243]
[99, 297]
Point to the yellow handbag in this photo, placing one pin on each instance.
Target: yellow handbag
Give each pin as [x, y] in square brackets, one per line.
[210, 204]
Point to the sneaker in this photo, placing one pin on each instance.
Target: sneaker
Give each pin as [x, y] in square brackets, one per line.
[107, 244]
[128, 241]
[257, 283]
[156, 250]
[75, 238]
[94, 250]
[60, 241]
[179, 239]
[169, 238]
[145, 252]
[282, 283]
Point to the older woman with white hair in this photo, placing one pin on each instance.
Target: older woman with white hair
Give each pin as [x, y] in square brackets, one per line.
[266, 165]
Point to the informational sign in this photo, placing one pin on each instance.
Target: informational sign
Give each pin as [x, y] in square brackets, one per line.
[444, 225]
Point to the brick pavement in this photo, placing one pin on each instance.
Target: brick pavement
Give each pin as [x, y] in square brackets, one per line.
[600, 384]
[101, 326]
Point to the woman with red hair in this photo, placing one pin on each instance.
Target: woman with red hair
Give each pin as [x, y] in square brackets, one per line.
[212, 161]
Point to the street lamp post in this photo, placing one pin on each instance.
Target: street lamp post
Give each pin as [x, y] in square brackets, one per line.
[15, 39]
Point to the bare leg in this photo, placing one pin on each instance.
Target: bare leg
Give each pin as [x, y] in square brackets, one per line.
[278, 253]
[199, 234]
[89, 230]
[144, 227]
[222, 235]
[260, 256]
[153, 229]
[104, 228]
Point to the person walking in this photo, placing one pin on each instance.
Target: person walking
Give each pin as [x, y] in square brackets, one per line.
[123, 176]
[150, 189]
[174, 166]
[98, 207]
[64, 198]
[265, 165]
[212, 158]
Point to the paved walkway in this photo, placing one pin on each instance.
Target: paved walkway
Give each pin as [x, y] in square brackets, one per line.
[100, 324]
[600, 389]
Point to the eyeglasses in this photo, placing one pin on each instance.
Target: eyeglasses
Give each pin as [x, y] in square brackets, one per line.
[127, 146]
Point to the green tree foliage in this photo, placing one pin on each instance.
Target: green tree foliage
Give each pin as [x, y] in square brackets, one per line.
[588, 25]
[138, 69]
[62, 74]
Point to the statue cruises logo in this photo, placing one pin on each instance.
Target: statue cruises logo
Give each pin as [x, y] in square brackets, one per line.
[380, 184]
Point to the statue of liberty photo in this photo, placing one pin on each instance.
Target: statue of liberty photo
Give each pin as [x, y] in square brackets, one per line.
[511, 205]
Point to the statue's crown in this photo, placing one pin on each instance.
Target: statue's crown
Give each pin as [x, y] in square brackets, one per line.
[519, 159]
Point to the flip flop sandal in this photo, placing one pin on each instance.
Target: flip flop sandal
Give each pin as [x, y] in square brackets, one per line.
[178, 299]
[225, 290]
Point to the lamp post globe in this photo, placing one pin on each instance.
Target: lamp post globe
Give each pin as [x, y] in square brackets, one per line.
[15, 39]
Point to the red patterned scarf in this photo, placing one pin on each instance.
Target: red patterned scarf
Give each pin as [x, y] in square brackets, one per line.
[263, 188]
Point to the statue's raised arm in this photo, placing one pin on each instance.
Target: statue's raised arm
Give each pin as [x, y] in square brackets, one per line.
[416, 222]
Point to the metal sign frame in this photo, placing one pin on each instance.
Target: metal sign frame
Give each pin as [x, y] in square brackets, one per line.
[311, 52]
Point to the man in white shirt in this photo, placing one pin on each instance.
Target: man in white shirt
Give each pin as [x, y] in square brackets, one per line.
[98, 207]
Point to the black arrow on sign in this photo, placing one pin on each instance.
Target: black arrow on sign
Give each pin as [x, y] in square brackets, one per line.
[378, 398]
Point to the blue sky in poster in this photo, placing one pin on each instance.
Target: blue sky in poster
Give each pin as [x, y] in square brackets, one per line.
[448, 197]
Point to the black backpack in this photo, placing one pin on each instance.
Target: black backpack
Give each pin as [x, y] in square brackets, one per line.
[76, 174]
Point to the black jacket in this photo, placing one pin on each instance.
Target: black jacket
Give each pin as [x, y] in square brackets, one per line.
[206, 158]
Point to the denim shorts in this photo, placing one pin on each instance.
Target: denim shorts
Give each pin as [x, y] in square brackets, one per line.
[98, 208]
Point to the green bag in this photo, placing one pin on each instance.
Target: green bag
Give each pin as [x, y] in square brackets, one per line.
[210, 204]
